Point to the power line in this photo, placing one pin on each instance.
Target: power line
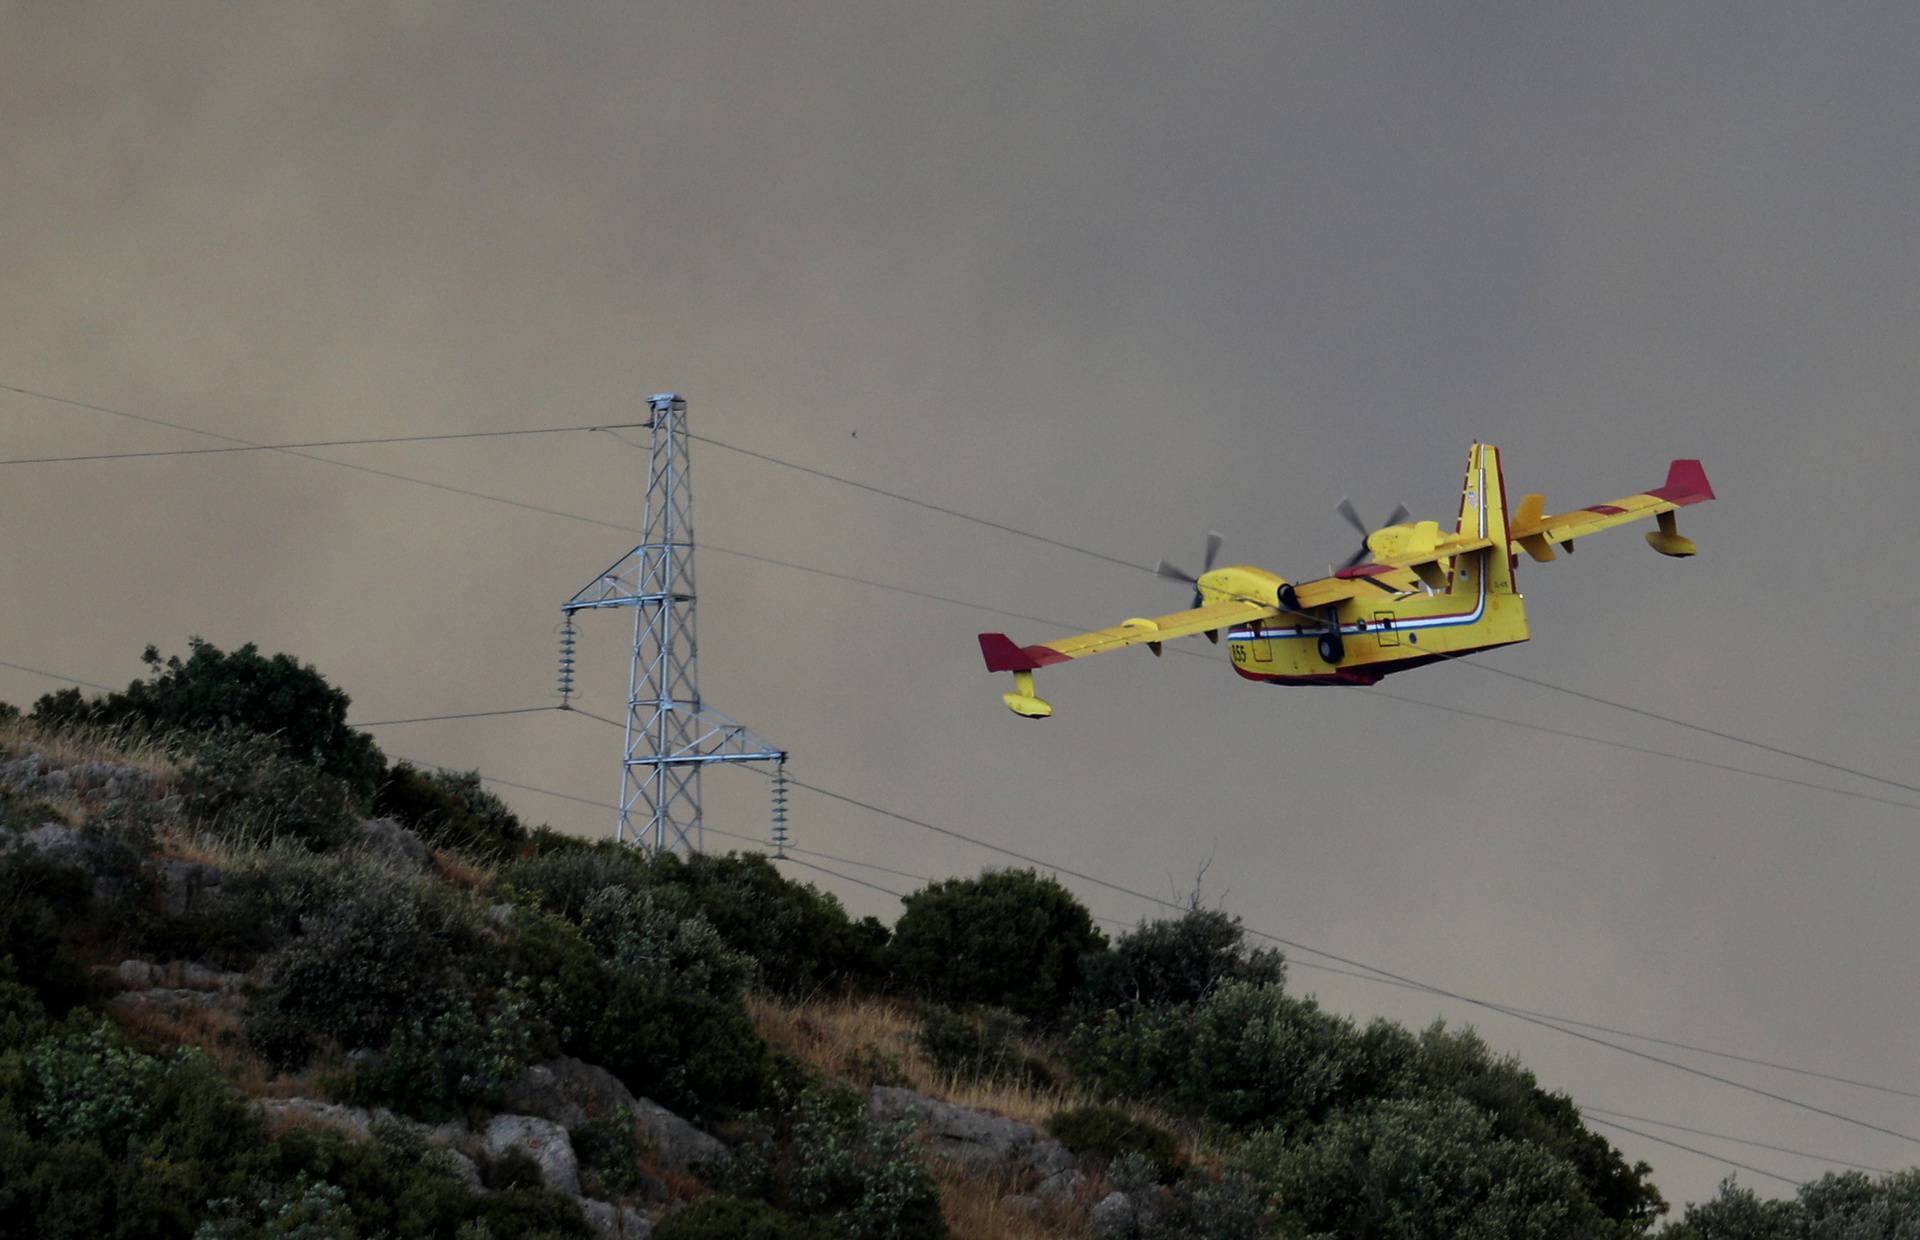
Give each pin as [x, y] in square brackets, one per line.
[284, 447]
[845, 878]
[1697, 727]
[1428, 987]
[1647, 1136]
[1721, 1136]
[42, 672]
[921, 503]
[471, 714]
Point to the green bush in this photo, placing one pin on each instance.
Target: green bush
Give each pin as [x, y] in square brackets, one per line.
[1176, 960]
[249, 788]
[1009, 938]
[820, 1154]
[1109, 1133]
[91, 1086]
[690, 1052]
[732, 1218]
[610, 1148]
[370, 963]
[638, 931]
[97, 1139]
[436, 1068]
[267, 896]
[801, 938]
[452, 810]
[979, 1048]
[1247, 1056]
[1421, 1170]
[41, 903]
[216, 691]
[1460, 1064]
[562, 881]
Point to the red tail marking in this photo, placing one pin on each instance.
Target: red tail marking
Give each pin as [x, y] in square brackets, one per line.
[1686, 484]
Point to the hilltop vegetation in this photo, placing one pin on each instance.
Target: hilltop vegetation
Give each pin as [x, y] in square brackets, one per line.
[255, 981]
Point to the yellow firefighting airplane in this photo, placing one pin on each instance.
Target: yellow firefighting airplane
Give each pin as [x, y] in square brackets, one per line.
[1410, 595]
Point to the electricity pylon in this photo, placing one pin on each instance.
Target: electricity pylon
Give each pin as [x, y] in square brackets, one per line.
[671, 734]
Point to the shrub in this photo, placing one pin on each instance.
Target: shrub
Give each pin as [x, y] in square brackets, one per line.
[1008, 938]
[1418, 1169]
[92, 1087]
[610, 1148]
[691, 1052]
[561, 882]
[574, 985]
[801, 938]
[1109, 1133]
[1459, 1063]
[372, 962]
[40, 901]
[732, 1218]
[979, 1048]
[215, 691]
[1176, 960]
[1247, 1056]
[266, 897]
[435, 1068]
[452, 810]
[250, 788]
[820, 1154]
[638, 932]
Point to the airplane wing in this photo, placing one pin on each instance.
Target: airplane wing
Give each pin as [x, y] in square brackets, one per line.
[1405, 559]
[1686, 484]
[1003, 655]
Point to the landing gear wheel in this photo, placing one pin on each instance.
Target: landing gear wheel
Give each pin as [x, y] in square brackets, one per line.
[1332, 649]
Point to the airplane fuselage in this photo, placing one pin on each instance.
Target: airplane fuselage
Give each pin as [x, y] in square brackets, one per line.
[1380, 637]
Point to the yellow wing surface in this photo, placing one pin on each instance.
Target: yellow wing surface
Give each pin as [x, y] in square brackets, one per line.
[1686, 484]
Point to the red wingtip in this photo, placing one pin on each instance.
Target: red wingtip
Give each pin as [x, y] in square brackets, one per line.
[1003, 656]
[1686, 484]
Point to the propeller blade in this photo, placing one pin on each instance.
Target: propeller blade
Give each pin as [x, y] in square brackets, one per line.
[1173, 572]
[1400, 514]
[1214, 543]
[1346, 509]
[1358, 557]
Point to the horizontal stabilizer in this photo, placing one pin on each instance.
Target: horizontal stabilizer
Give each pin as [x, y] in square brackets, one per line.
[1686, 484]
[1003, 656]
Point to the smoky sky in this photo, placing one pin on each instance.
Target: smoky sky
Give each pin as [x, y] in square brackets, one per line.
[1118, 274]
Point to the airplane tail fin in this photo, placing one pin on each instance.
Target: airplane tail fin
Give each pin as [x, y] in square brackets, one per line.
[1483, 514]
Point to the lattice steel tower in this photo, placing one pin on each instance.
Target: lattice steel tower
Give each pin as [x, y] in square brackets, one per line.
[671, 734]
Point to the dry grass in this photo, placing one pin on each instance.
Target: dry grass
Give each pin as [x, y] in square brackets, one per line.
[872, 1041]
[463, 872]
[70, 747]
[215, 1032]
[976, 1208]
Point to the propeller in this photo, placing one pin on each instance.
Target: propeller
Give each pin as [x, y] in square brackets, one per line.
[1174, 573]
[1346, 509]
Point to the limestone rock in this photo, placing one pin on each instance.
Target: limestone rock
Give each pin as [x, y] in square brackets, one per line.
[544, 1141]
[612, 1222]
[679, 1144]
[1113, 1215]
[976, 1139]
[1060, 1186]
[184, 885]
[395, 842]
[568, 1092]
[137, 973]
